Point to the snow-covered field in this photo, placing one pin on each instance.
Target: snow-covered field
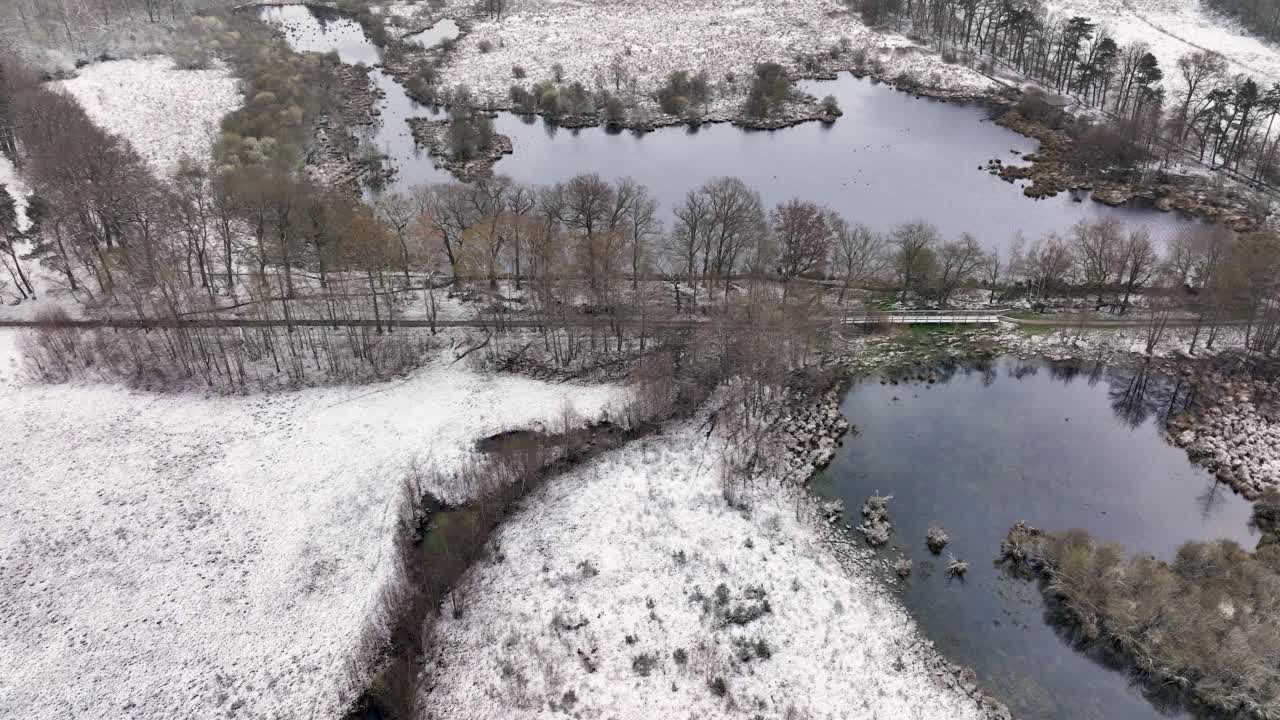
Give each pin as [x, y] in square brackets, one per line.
[166, 556]
[1174, 28]
[162, 111]
[653, 38]
[621, 590]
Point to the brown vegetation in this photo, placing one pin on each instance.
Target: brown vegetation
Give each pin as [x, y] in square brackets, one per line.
[1207, 623]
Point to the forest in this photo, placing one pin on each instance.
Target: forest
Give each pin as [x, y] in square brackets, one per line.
[1218, 117]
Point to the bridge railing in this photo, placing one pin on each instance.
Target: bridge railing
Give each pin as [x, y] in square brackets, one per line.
[923, 317]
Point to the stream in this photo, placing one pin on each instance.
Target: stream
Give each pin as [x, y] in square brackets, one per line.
[892, 158]
[1057, 446]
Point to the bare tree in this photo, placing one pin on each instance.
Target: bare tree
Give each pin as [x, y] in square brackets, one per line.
[859, 254]
[642, 224]
[804, 240]
[1048, 262]
[692, 219]
[1099, 250]
[991, 271]
[957, 261]
[1200, 71]
[914, 253]
[521, 201]
[1140, 262]
[397, 211]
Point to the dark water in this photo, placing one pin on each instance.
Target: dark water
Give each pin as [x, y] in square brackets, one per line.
[436, 34]
[892, 158]
[1026, 441]
[318, 30]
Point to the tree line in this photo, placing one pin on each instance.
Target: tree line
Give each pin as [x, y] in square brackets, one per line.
[1217, 116]
[262, 240]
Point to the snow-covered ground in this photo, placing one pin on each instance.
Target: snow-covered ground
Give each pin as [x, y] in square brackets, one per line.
[17, 189]
[167, 556]
[1174, 28]
[50, 289]
[653, 38]
[625, 588]
[162, 111]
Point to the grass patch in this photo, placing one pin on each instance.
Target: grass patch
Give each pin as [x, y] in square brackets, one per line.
[448, 529]
[1037, 330]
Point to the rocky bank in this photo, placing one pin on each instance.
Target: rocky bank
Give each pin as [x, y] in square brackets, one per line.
[1232, 430]
[1050, 172]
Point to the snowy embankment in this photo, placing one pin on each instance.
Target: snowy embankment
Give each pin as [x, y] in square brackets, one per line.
[163, 112]
[17, 190]
[50, 290]
[650, 39]
[629, 588]
[169, 556]
[1174, 28]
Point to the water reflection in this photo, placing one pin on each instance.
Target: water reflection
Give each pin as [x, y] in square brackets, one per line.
[1060, 446]
[891, 158]
[436, 34]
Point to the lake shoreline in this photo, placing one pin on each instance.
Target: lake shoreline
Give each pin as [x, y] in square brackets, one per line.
[904, 373]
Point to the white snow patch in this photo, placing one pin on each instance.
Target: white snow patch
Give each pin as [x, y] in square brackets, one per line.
[607, 564]
[653, 38]
[1174, 28]
[162, 111]
[169, 556]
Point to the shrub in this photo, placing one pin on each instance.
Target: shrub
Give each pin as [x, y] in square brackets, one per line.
[770, 88]
[680, 656]
[484, 46]
[548, 98]
[1207, 621]
[522, 100]
[614, 111]
[718, 686]
[830, 106]
[643, 664]
[576, 100]
[673, 104]
[518, 72]
[557, 72]
[470, 130]
[748, 650]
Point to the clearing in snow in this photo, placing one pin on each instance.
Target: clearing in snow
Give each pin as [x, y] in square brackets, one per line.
[168, 556]
[164, 112]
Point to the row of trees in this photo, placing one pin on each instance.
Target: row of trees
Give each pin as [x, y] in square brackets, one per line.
[258, 238]
[1220, 117]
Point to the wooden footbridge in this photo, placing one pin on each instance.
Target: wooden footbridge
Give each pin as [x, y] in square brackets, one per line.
[925, 317]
